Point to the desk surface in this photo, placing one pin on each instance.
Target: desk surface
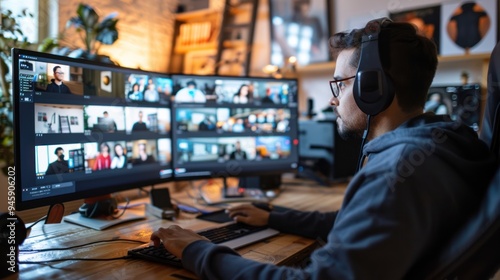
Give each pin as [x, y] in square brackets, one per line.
[284, 249]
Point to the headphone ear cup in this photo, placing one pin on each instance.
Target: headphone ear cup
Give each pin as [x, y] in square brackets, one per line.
[373, 90]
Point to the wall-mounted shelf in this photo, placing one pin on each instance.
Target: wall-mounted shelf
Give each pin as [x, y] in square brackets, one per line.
[197, 47]
[197, 15]
[464, 58]
[322, 67]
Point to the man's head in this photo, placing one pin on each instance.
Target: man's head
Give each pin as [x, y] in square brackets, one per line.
[59, 152]
[58, 73]
[140, 116]
[408, 59]
[191, 84]
[105, 114]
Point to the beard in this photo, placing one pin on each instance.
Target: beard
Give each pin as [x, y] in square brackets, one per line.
[348, 132]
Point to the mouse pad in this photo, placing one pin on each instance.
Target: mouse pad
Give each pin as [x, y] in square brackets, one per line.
[220, 216]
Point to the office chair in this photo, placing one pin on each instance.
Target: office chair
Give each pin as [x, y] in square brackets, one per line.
[474, 251]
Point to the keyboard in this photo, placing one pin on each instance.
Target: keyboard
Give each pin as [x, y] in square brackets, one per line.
[234, 235]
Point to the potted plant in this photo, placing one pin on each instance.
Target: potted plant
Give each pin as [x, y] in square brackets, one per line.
[92, 32]
[11, 36]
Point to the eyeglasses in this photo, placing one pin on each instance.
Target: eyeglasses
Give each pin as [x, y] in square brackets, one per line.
[337, 85]
[61, 73]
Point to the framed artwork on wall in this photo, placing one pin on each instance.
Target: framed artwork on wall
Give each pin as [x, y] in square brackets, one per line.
[469, 27]
[427, 20]
[300, 29]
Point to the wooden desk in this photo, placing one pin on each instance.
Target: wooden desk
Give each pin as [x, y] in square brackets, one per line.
[283, 249]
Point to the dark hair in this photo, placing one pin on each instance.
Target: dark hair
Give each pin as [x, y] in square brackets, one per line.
[249, 94]
[104, 144]
[118, 145]
[58, 149]
[55, 68]
[409, 59]
[192, 83]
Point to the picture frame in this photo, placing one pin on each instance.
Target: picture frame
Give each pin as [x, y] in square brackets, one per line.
[426, 19]
[452, 38]
[300, 29]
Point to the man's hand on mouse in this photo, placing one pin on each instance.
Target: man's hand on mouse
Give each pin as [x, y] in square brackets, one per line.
[248, 214]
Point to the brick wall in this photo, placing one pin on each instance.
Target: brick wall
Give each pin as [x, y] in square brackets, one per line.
[145, 31]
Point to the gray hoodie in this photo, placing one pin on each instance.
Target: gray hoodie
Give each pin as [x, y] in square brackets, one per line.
[419, 183]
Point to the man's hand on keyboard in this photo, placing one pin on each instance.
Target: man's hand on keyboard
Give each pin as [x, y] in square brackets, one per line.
[175, 239]
[249, 214]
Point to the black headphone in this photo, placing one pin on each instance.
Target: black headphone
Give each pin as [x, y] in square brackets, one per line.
[11, 226]
[105, 207]
[373, 90]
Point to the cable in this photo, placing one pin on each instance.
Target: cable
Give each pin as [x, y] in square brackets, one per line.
[363, 140]
[124, 209]
[36, 222]
[73, 259]
[129, 206]
[81, 245]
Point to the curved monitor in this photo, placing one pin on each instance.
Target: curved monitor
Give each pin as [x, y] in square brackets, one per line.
[84, 129]
[233, 126]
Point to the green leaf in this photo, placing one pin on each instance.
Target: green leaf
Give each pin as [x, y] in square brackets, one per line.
[87, 15]
[107, 36]
[75, 22]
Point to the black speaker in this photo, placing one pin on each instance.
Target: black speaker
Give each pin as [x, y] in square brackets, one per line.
[12, 234]
[373, 90]
[105, 207]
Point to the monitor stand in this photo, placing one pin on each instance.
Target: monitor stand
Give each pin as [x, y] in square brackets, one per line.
[99, 213]
[243, 192]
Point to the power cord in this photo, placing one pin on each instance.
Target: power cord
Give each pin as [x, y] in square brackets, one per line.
[36, 222]
[73, 259]
[81, 245]
[363, 140]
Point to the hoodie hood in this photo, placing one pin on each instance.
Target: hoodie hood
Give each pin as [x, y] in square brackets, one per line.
[430, 135]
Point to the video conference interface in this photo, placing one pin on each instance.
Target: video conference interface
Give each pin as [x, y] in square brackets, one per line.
[232, 126]
[85, 126]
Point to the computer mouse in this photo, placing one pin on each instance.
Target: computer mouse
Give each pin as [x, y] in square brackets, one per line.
[263, 205]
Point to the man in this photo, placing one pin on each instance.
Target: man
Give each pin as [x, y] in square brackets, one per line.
[139, 125]
[238, 153]
[56, 84]
[108, 123]
[58, 166]
[422, 175]
[190, 94]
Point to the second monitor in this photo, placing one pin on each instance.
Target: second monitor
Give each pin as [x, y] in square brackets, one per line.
[233, 126]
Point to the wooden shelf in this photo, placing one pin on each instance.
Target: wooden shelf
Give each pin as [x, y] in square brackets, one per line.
[235, 43]
[314, 68]
[464, 58]
[200, 14]
[330, 65]
[197, 47]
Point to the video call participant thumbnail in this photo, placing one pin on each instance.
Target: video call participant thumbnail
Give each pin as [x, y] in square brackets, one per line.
[143, 153]
[58, 166]
[57, 84]
[190, 93]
